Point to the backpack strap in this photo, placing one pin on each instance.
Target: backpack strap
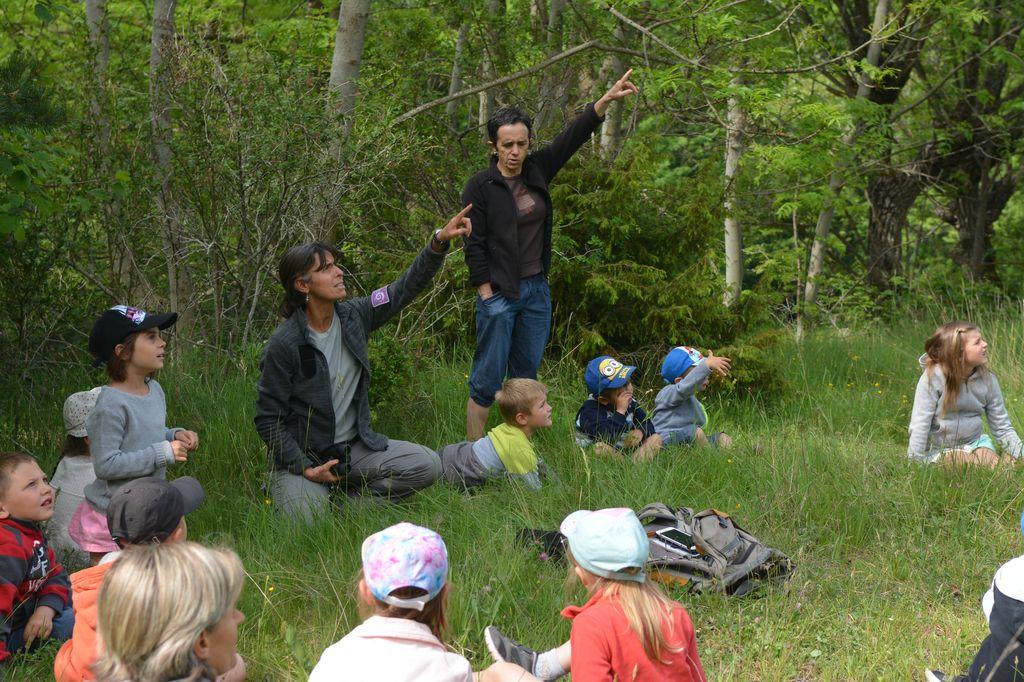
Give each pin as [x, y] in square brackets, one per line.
[718, 534]
[659, 513]
[656, 510]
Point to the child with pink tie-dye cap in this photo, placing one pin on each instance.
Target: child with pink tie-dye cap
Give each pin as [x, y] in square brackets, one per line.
[404, 587]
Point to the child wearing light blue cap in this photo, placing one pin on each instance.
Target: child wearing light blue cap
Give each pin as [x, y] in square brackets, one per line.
[678, 416]
[628, 629]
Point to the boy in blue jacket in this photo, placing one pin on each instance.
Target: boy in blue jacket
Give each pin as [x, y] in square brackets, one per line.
[610, 419]
[678, 416]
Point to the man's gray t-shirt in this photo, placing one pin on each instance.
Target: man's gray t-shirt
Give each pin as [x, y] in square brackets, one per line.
[344, 372]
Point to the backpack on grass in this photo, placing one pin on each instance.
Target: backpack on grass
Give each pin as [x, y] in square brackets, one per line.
[707, 551]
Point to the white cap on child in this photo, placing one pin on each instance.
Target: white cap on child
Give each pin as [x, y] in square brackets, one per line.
[76, 410]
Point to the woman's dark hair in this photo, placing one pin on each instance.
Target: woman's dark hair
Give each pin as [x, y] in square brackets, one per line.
[507, 116]
[295, 264]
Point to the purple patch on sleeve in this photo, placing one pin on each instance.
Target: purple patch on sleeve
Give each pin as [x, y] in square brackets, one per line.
[379, 297]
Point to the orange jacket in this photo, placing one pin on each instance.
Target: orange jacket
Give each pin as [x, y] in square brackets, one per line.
[82, 650]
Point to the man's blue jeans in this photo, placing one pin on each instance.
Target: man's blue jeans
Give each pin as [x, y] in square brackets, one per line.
[510, 338]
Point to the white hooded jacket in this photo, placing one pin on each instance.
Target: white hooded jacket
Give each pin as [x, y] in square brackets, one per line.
[392, 649]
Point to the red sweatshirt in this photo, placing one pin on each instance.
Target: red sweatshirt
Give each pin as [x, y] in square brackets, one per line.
[28, 570]
[605, 648]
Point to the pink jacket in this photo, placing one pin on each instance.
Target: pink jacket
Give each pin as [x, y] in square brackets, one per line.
[393, 649]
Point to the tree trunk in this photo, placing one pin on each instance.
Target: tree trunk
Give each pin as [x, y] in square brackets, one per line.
[979, 201]
[981, 239]
[348, 56]
[486, 97]
[799, 273]
[538, 20]
[495, 13]
[835, 181]
[891, 196]
[547, 99]
[981, 171]
[734, 135]
[342, 90]
[99, 40]
[161, 58]
[821, 229]
[451, 109]
[99, 44]
[611, 70]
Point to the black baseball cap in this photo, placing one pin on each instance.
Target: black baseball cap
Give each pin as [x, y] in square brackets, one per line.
[151, 508]
[117, 323]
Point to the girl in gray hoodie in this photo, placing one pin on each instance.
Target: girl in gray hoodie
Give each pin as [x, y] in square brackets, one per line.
[955, 389]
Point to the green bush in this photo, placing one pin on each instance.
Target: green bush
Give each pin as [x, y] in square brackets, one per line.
[391, 364]
[636, 268]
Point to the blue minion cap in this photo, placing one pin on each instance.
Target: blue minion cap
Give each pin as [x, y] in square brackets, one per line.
[678, 360]
[604, 372]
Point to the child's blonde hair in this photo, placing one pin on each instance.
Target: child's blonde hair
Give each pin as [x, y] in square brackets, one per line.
[154, 603]
[9, 461]
[647, 609]
[518, 396]
[945, 349]
[433, 614]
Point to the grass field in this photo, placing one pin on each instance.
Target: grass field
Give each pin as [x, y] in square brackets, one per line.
[892, 558]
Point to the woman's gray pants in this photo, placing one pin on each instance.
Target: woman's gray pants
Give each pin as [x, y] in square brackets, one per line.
[394, 473]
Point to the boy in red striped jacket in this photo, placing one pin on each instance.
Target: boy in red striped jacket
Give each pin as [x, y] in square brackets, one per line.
[35, 594]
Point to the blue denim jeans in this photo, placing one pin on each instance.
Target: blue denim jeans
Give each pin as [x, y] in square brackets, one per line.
[686, 436]
[510, 338]
[63, 624]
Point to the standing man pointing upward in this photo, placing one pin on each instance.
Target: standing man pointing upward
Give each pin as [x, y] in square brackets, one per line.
[509, 251]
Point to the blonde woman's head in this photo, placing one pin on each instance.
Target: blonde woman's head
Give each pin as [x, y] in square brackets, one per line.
[167, 612]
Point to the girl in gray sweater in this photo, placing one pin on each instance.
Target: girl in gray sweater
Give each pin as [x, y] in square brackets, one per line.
[955, 389]
[128, 435]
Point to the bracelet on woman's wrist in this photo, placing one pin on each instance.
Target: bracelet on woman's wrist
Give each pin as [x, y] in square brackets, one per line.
[440, 244]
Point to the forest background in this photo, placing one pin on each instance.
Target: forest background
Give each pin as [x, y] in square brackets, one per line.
[785, 165]
[793, 176]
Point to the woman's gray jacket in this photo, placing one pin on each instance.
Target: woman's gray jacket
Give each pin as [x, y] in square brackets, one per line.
[294, 412]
